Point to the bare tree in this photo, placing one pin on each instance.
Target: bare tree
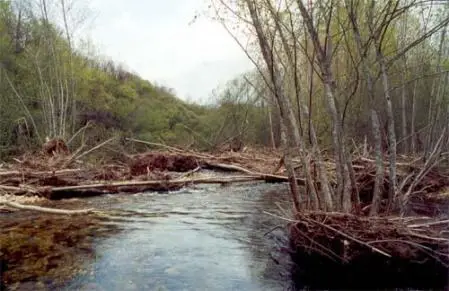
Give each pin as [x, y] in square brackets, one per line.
[351, 10]
[324, 58]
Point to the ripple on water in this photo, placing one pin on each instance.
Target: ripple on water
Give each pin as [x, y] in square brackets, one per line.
[198, 239]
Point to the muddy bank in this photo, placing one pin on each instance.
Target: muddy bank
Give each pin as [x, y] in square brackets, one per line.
[44, 251]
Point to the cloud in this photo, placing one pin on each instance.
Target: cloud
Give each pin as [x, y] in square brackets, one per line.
[154, 39]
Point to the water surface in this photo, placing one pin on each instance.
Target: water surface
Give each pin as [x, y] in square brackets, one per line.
[203, 238]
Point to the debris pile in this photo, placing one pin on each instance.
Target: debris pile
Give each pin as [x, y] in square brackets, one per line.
[150, 162]
[354, 252]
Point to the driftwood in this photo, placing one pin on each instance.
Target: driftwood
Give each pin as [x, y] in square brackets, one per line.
[46, 209]
[188, 173]
[142, 173]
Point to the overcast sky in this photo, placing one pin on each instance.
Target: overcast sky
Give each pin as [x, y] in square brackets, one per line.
[154, 39]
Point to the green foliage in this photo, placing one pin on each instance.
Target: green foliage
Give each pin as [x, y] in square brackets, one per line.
[38, 61]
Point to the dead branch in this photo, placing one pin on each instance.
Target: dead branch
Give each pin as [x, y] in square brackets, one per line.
[170, 148]
[40, 173]
[46, 209]
[93, 149]
[186, 174]
[429, 223]
[21, 189]
[351, 238]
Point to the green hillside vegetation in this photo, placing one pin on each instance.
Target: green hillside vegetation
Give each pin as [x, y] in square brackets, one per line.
[48, 89]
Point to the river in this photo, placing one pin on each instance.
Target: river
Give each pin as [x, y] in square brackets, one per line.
[204, 237]
[208, 237]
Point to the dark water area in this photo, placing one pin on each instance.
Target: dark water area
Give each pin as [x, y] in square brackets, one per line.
[206, 238]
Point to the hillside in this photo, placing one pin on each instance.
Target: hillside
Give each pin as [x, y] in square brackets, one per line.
[47, 89]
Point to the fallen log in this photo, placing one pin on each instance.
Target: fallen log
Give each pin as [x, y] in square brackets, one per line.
[127, 186]
[262, 176]
[233, 179]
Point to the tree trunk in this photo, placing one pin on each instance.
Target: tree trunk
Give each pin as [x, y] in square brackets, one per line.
[373, 115]
[324, 59]
[404, 147]
[377, 194]
[435, 94]
[412, 122]
[327, 203]
[285, 106]
[270, 120]
[391, 127]
[326, 196]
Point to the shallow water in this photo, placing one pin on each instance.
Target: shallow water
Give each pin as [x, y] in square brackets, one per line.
[205, 238]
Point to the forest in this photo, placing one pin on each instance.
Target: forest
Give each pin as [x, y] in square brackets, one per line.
[348, 103]
[342, 74]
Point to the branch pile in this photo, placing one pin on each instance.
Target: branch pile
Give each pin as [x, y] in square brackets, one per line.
[60, 176]
[57, 177]
[336, 245]
[429, 187]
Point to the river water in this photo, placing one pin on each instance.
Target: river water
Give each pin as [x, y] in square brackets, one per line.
[208, 237]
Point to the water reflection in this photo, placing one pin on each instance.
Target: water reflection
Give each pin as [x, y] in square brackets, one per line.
[207, 238]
